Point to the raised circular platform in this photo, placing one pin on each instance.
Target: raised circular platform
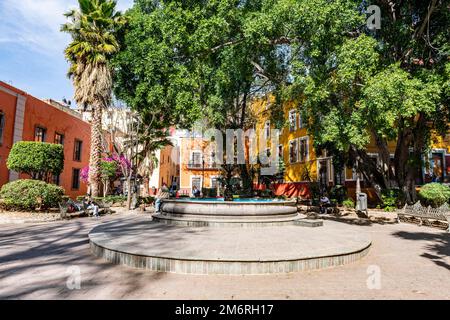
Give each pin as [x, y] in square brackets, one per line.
[141, 243]
[219, 213]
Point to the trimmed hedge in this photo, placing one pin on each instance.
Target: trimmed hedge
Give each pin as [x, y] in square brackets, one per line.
[434, 194]
[37, 159]
[30, 195]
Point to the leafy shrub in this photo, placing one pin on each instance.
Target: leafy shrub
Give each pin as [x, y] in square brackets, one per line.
[391, 199]
[314, 189]
[39, 160]
[147, 200]
[209, 192]
[265, 193]
[338, 193]
[31, 194]
[434, 194]
[348, 203]
[108, 170]
[113, 199]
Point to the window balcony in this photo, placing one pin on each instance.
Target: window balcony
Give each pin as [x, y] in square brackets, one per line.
[200, 166]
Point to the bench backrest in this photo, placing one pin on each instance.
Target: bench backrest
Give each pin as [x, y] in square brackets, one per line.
[417, 209]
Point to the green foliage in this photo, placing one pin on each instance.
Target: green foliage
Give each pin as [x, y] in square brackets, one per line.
[434, 194]
[338, 193]
[114, 199]
[109, 170]
[39, 160]
[386, 84]
[391, 199]
[209, 192]
[349, 203]
[31, 194]
[314, 188]
[147, 200]
[265, 193]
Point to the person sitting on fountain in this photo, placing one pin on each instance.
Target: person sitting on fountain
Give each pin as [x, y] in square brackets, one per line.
[195, 192]
[163, 193]
[324, 203]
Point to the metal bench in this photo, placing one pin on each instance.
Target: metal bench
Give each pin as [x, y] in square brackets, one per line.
[105, 207]
[70, 204]
[63, 209]
[426, 213]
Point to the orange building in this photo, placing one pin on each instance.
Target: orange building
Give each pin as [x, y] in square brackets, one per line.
[26, 118]
[198, 166]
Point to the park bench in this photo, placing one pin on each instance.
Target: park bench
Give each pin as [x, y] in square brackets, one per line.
[105, 207]
[66, 213]
[422, 213]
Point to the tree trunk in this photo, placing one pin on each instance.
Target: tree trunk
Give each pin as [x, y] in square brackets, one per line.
[146, 181]
[129, 192]
[96, 151]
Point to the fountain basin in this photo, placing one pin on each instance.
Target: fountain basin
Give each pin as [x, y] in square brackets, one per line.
[220, 213]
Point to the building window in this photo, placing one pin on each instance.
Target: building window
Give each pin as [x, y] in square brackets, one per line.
[268, 161]
[39, 134]
[59, 138]
[280, 152]
[2, 126]
[213, 160]
[77, 150]
[300, 120]
[196, 159]
[267, 129]
[293, 151]
[215, 183]
[196, 181]
[76, 179]
[304, 149]
[340, 177]
[292, 120]
[56, 179]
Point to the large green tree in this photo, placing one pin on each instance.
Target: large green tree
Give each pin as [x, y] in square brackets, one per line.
[93, 27]
[390, 85]
[186, 60]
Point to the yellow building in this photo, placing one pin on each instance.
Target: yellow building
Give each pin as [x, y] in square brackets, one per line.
[303, 166]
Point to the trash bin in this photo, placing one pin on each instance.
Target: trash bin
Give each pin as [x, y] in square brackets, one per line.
[361, 202]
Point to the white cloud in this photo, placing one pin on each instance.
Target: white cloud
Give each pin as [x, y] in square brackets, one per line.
[35, 24]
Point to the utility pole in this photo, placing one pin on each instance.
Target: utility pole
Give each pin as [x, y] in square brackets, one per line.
[358, 183]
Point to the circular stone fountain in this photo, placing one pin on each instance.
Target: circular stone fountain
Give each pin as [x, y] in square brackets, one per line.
[181, 239]
[220, 213]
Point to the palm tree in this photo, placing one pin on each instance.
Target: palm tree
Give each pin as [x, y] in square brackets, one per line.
[93, 29]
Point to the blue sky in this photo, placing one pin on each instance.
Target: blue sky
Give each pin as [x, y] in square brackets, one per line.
[32, 47]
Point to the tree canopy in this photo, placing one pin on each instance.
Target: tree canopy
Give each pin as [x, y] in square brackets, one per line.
[183, 60]
[40, 160]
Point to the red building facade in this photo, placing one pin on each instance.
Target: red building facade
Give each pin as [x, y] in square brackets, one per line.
[26, 118]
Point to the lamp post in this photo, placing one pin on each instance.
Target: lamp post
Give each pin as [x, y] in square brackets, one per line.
[358, 183]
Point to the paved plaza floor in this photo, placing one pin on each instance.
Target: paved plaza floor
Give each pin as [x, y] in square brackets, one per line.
[43, 261]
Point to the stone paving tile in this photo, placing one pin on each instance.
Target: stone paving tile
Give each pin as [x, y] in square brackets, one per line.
[34, 259]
